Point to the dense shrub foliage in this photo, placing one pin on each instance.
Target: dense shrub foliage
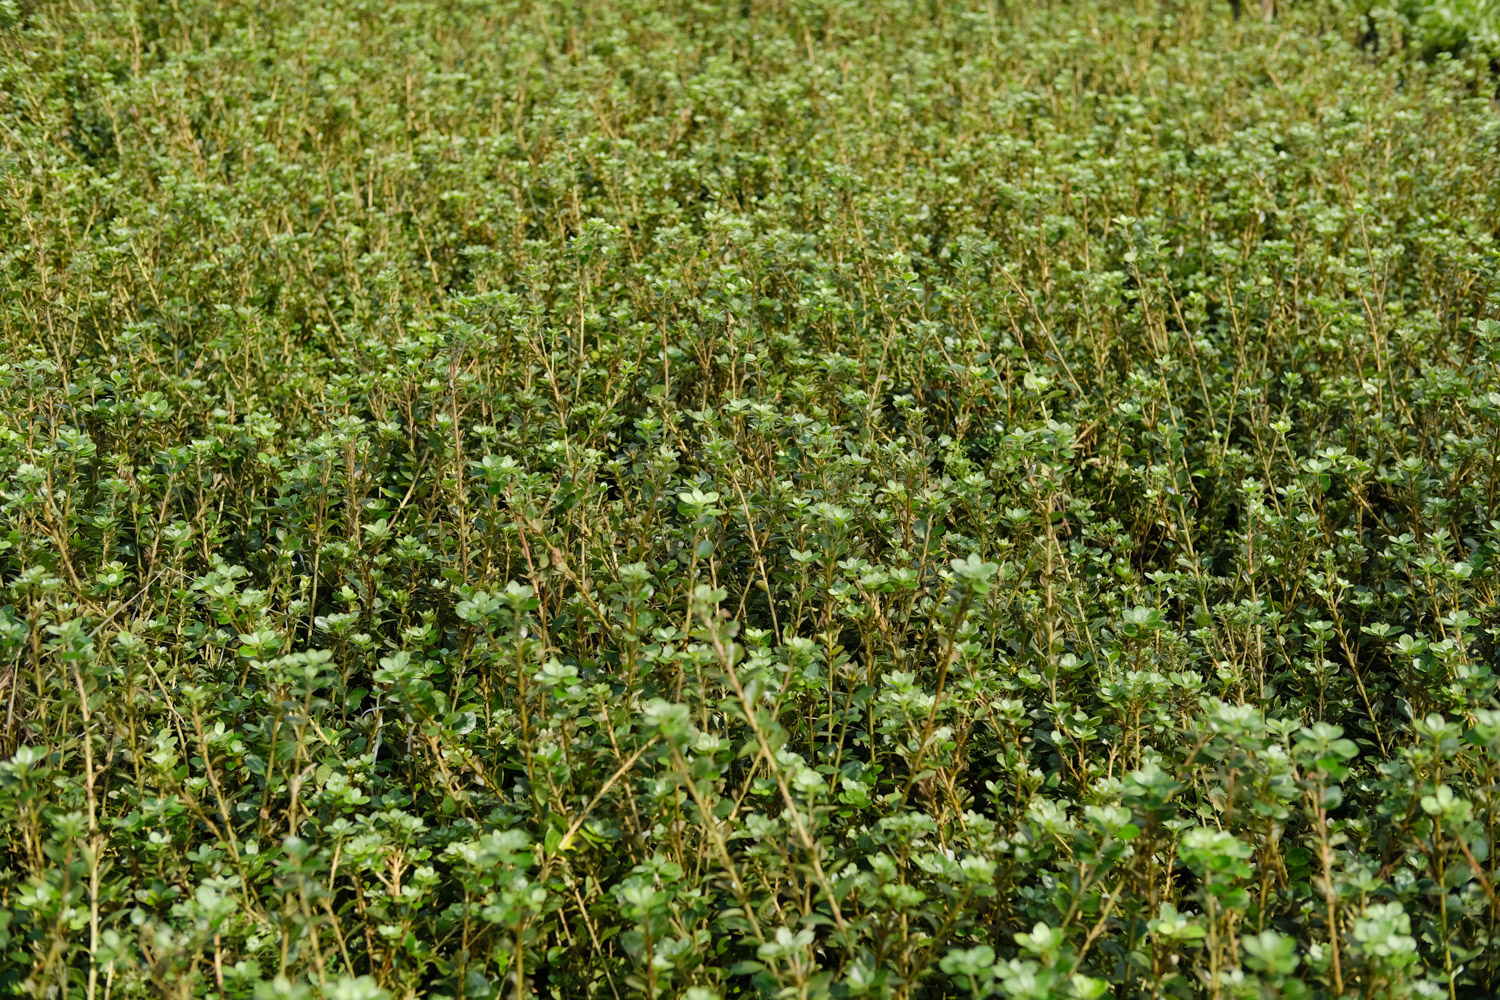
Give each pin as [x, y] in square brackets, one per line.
[796, 498]
[1469, 27]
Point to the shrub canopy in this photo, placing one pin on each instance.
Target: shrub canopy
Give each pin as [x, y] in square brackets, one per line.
[795, 498]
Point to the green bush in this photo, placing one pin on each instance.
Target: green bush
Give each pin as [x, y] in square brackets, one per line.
[1451, 26]
[795, 498]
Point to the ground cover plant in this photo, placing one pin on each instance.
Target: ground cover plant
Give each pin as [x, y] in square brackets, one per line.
[793, 498]
[1464, 27]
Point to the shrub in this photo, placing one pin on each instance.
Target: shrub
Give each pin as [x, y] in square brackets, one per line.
[802, 499]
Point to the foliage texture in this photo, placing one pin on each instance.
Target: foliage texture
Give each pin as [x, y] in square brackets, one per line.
[790, 498]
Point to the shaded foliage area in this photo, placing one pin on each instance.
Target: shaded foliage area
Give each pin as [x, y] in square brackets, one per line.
[798, 499]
